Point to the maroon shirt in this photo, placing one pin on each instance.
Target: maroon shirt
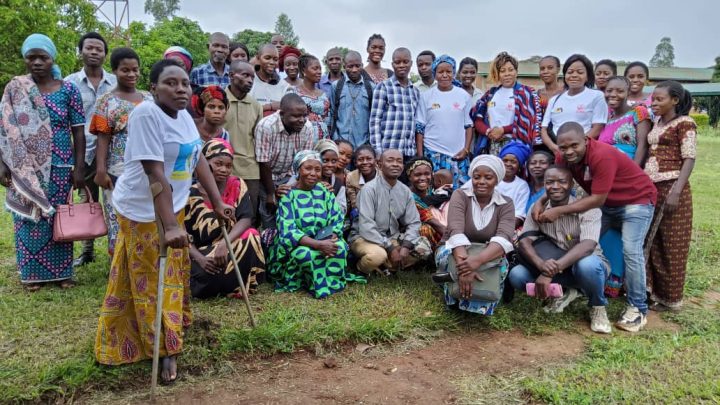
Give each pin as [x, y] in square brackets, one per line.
[606, 170]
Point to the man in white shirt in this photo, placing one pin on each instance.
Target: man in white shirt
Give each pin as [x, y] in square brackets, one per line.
[92, 81]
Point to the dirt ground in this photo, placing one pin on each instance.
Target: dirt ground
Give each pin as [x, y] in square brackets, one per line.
[414, 377]
[404, 373]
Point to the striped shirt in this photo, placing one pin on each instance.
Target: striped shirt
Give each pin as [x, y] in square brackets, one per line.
[275, 145]
[570, 229]
[392, 117]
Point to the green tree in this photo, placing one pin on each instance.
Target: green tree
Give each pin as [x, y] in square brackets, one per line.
[711, 103]
[151, 42]
[162, 9]
[252, 39]
[62, 21]
[284, 27]
[664, 54]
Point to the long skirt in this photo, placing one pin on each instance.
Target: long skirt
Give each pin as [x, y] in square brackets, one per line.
[127, 316]
[442, 257]
[307, 268]
[111, 220]
[39, 259]
[251, 261]
[669, 252]
[459, 169]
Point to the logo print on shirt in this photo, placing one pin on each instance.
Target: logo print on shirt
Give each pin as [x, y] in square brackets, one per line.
[511, 105]
[187, 158]
[435, 106]
[456, 105]
[581, 108]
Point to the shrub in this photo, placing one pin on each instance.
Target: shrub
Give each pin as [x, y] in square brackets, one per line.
[701, 120]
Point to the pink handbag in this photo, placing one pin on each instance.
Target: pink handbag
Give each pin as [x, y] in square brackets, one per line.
[82, 221]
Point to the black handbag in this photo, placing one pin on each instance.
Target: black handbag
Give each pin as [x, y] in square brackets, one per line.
[544, 247]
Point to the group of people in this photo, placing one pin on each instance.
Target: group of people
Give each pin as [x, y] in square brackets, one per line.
[325, 179]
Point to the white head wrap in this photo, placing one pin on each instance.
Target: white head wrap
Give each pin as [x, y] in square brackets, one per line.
[492, 162]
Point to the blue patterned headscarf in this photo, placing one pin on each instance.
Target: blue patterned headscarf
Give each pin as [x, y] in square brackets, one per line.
[42, 42]
[443, 59]
[302, 157]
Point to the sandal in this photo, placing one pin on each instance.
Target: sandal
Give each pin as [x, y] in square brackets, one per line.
[67, 284]
[33, 287]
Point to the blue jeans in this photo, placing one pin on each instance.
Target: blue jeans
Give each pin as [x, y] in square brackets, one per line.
[588, 275]
[633, 221]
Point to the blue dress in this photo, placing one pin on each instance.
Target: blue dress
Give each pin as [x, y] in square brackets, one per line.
[39, 258]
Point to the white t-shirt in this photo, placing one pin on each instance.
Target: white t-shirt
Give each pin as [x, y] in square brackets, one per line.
[266, 93]
[153, 135]
[518, 191]
[586, 108]
[501, 108]
[445, 115]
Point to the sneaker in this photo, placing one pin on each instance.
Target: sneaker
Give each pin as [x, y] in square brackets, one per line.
[631, 320]
[599, 321]
[557, 305]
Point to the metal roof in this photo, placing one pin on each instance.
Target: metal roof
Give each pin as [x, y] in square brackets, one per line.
[696, 89]
[681, 74]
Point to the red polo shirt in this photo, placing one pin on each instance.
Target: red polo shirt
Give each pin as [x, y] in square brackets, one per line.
[606, 170]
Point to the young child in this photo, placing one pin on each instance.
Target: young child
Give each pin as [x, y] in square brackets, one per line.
[442, 186]
[514, 155]
[442, 182]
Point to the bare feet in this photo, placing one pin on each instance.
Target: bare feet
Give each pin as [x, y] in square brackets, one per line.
[33, 287]
[169, 369]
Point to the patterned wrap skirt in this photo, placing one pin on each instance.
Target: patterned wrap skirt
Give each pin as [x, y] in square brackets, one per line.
[40, 259]
[669, 252]
[126, 327]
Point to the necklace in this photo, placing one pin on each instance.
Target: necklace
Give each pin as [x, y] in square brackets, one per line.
[353, 98]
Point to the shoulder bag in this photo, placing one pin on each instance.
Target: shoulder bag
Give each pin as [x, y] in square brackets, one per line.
[486, 290]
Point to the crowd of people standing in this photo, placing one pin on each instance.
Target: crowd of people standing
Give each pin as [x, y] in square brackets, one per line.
[326, 179]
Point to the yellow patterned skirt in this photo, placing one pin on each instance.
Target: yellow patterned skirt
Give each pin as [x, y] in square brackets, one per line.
[126, 327]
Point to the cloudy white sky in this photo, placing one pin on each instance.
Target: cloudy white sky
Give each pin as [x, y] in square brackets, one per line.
[616, 29]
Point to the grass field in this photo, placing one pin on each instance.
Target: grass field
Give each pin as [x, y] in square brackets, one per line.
[46, 338]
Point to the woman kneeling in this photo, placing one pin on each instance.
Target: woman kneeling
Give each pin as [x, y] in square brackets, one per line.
[478, 213]
[308, 251]
[212, 272]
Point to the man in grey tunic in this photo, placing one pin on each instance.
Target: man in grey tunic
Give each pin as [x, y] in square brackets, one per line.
[386, 236]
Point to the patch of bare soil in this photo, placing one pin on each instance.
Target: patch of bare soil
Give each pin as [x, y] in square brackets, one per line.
[367, 375]
[709, 300]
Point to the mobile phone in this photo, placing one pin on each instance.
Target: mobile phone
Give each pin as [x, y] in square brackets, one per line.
[554, 290]
[325, 233]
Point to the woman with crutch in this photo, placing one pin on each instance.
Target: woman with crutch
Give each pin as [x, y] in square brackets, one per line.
[162, 152]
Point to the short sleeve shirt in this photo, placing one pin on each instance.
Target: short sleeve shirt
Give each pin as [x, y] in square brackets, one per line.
[607, 170]
[586, 108]
[154, 135]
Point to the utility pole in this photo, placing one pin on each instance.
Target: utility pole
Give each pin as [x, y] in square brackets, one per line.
[116, 13]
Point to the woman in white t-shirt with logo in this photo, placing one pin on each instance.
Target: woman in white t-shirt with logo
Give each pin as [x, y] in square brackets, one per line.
[443, 125]
[162, 150]
[509, 111]
[578, 103]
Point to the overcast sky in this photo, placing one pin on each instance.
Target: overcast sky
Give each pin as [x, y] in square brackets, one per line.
[616, 29]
